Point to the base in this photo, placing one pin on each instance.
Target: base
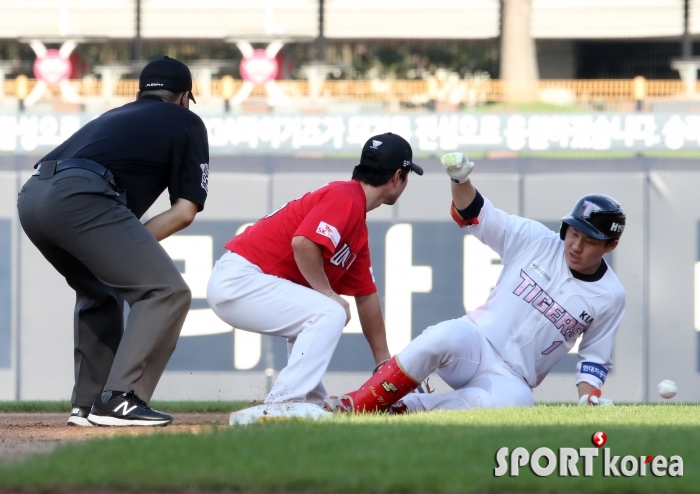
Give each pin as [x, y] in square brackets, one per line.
[278, 411]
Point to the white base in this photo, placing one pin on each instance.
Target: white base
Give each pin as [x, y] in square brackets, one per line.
[278, 411]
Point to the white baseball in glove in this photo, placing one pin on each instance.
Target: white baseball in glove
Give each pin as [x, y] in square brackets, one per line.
[594, 399]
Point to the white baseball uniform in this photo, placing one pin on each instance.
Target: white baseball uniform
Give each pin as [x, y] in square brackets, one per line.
[496, 354]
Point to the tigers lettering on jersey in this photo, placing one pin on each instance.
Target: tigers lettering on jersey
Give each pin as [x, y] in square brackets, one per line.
[568, 325]
[343, 257]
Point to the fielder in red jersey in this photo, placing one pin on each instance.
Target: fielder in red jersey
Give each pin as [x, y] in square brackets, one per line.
[285, 274]
[332, 217]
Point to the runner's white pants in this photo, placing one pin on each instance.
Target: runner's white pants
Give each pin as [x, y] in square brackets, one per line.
[248, 299]
[465, 360]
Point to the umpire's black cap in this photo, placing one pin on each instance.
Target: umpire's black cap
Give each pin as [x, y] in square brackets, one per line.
[166, 73]
[389, 152]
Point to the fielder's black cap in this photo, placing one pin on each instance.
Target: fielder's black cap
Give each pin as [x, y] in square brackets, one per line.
[389, 152]
[166, 73]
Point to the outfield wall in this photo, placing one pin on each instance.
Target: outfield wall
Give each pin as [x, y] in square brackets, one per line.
[435, 271]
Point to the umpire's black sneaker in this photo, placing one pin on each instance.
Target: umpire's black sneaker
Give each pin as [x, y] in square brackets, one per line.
[115, 408]
[79, 416]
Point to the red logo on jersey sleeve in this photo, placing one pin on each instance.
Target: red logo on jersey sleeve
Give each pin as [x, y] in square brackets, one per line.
[329, 231]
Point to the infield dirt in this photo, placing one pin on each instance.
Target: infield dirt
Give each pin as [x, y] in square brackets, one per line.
[24, 434]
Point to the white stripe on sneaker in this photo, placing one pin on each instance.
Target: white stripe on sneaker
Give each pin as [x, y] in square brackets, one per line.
[118, 422]
[81, 421]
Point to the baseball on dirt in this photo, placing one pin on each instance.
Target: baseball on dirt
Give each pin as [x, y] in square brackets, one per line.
[667, 389]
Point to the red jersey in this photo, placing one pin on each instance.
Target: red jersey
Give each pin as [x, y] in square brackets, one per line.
[333, 217]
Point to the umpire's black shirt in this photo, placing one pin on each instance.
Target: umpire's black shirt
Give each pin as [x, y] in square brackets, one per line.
[148, 145]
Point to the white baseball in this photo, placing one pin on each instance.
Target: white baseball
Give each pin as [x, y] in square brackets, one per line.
[667, 389]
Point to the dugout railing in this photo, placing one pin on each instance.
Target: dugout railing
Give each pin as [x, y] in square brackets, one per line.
[470, 91]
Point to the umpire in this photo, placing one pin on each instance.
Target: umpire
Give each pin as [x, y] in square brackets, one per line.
[81, 209]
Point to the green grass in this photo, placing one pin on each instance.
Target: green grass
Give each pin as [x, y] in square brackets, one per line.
[165, 406]
[680, 154]
[537, 107]
[611, 154]
[559, 154]
[442, 452]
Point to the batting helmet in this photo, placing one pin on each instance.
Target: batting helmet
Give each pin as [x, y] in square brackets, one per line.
[596, 215]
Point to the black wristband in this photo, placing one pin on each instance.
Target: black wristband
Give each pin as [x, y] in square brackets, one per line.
[473, 210]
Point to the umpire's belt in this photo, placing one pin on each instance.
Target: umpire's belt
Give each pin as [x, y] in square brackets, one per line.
[47, 169]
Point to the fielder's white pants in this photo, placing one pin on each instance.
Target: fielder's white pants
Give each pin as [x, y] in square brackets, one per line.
[465, 360]
[248, 299]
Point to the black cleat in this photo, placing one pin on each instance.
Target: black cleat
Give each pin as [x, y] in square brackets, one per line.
[115, 408]
[79, 416]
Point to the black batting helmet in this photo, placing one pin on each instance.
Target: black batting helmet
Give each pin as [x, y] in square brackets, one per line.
[596, 215]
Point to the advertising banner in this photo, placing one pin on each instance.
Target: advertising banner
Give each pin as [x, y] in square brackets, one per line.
[265, 134]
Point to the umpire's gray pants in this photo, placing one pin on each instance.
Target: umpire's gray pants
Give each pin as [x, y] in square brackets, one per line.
[81, 224]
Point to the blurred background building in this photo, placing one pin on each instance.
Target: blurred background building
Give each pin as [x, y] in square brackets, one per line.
[553, 99]
[394, 55]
